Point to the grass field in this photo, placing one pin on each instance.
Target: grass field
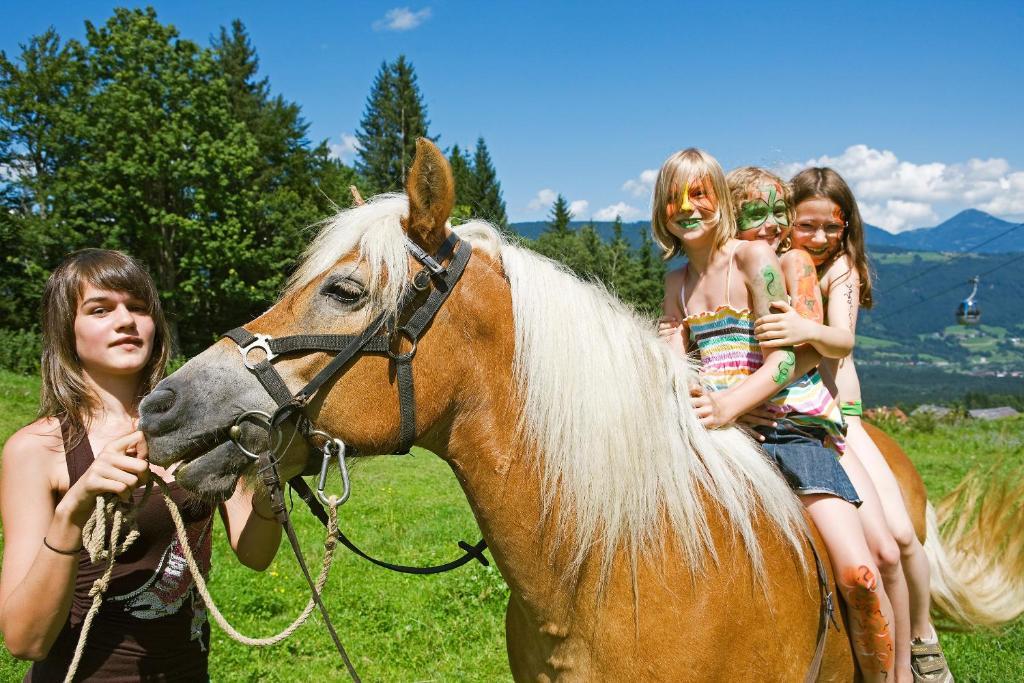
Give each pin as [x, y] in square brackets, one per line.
[450, 627]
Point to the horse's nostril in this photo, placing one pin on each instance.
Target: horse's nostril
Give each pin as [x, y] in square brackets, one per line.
[159, 401]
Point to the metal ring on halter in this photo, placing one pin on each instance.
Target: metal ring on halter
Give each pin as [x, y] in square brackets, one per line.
[261, 341]
[236, 432]
[407, 356]
[335, 447]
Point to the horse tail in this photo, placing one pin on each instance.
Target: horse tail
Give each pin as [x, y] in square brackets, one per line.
[975, 547]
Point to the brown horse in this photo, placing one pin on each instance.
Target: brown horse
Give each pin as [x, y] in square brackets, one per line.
[636, 544]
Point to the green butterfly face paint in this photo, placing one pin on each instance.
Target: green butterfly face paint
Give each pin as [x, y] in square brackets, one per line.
[755, 212]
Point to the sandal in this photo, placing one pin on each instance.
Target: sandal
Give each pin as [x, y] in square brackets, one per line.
[927, 662]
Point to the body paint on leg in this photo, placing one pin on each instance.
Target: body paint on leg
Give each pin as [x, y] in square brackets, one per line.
[871, 636]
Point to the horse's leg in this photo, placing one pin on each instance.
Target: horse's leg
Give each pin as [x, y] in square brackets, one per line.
[886, 553]
[877, 451]
[856, 577]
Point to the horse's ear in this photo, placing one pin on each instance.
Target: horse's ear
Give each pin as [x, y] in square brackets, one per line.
[431, 191]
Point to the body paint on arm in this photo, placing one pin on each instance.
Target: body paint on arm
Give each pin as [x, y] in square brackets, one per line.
[805, 301]
[773, 282]
[785, 369]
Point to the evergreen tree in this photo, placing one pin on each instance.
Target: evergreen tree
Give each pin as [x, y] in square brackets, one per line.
[488, 203]
[558, 222]
[462, 173]
[592, 254]
[622, 266]
[394, 118]
[648, 291]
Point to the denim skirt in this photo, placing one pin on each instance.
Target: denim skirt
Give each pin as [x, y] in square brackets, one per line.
[808, 466]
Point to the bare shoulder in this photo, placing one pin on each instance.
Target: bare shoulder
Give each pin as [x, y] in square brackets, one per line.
[840, 271]
[752, 257]
[754, 251]
[674, 278]
[37, 444]
[796, 258]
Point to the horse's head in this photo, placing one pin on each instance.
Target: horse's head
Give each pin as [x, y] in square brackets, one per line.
[368, 271]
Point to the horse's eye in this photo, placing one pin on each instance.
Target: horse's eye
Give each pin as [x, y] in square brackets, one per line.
[343, 291]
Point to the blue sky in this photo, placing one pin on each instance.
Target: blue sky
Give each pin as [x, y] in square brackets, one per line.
[918, 104]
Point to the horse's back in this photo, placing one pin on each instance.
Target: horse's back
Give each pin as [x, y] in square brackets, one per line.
[722, 624]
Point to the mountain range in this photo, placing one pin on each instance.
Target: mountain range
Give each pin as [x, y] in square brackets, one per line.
[968, 231]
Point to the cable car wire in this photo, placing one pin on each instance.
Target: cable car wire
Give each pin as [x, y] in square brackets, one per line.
[950, 259]
[959, 285]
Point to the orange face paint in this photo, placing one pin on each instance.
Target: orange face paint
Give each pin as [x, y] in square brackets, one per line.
[871, 636]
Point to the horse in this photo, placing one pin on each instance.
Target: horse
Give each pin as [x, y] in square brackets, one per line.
[636, 544]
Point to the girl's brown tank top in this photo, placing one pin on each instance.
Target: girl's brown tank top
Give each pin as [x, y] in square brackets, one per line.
[152, 623]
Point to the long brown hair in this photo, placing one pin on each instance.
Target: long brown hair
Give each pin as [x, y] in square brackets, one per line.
[825, 183]
[65, 393]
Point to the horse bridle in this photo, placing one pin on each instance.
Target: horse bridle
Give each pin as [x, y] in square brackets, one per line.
[381, 336]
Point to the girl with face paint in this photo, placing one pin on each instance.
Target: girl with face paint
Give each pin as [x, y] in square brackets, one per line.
[827, 228]
[726, 284]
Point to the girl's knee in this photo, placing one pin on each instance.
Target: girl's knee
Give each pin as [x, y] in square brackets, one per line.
[906, 538]
[856, 580]
[887, 554]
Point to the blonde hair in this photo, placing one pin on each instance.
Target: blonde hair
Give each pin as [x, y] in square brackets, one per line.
[65, 393]
[745, 180]
[685, 166]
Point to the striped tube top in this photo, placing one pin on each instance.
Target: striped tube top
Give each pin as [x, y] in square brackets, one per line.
[729, 353]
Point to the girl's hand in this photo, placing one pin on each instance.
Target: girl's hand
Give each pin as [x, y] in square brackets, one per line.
[787, 328]
[710, 410]
[668, 326]
[761, 416]
[120, 468]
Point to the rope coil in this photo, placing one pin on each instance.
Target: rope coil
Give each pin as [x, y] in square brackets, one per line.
[118, 516]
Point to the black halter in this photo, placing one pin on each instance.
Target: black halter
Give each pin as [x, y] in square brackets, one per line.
[378, 337]
[381, 336]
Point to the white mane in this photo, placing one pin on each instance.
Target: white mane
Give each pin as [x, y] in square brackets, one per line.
[606, 405]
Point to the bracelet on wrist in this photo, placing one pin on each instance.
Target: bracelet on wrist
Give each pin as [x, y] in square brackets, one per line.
[59, 551]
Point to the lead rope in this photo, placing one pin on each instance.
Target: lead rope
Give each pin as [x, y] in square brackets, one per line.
[330, 543]
[120, 515]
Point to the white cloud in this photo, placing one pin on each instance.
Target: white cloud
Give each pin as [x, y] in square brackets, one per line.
[344, 150]
[401, 19]
[546, 197]
[543, 200]
[901, 195]
[898, 215]
[620, 209]
[643, 185]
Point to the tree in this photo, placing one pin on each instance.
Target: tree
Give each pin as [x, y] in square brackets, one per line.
[462, 173]
[560, 217]
[488, 203]
[41, 99]
[622, 266]
[395, 116]
[648, 290]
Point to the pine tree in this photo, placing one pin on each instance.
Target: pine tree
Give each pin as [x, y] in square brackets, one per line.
[648, 289]
[560, 217]
[395, 116]
[622, 265]
[462, 173]
[489, 204]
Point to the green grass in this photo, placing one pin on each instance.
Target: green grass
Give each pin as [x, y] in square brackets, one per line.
[450, 627]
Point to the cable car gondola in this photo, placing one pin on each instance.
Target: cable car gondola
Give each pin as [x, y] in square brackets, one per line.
[968, 313]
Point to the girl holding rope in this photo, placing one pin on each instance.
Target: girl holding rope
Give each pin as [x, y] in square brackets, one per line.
[105, 345]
